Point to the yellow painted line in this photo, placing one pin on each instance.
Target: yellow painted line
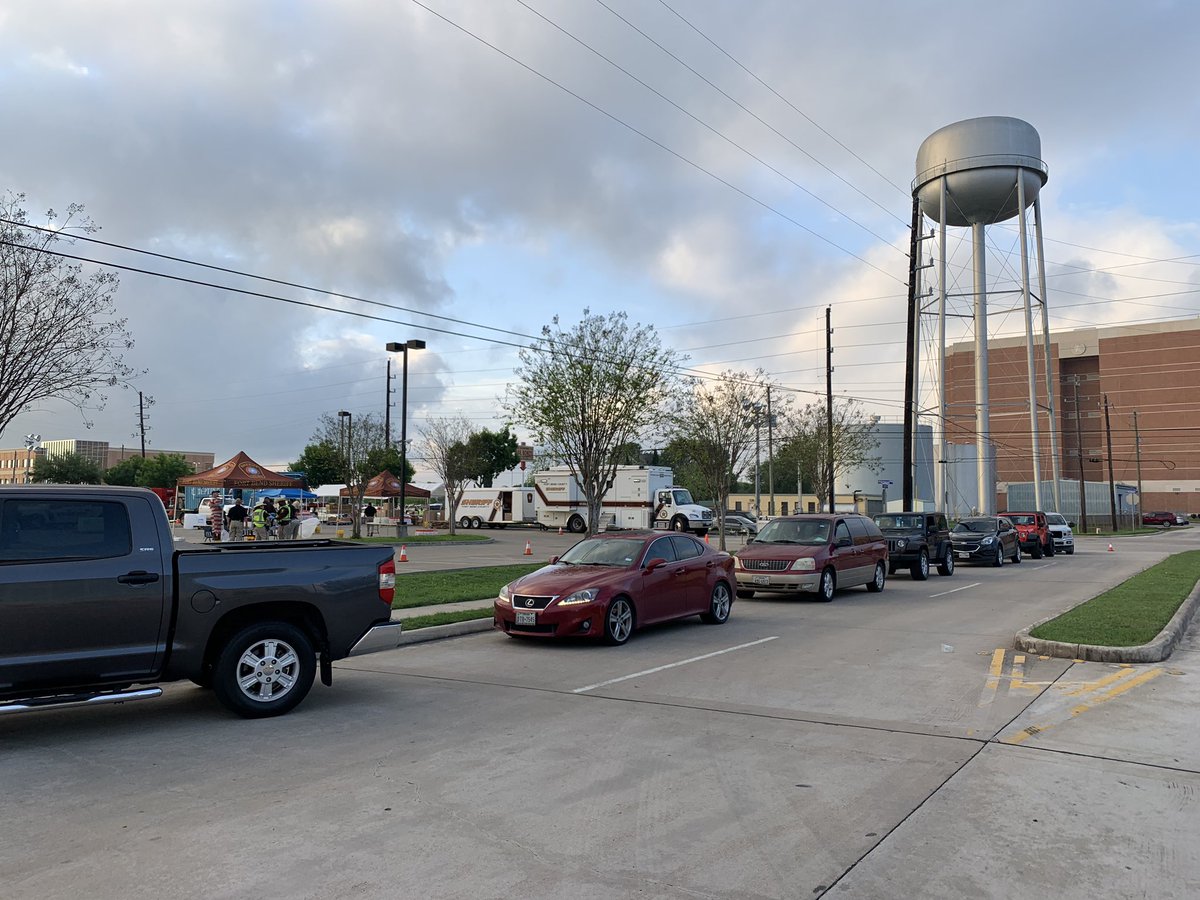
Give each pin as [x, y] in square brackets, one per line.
[1117, 691]
[1018, 672]
[1090, 686]
[995, 669]
[1023, 735]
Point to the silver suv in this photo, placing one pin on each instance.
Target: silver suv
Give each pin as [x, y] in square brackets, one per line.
[1060, 531]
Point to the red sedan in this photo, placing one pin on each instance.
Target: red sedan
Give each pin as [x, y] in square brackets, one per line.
[610, 584]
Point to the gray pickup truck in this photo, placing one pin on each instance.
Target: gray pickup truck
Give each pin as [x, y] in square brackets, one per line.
[96, 602]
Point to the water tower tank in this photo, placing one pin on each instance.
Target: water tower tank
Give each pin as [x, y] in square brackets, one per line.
[980, 159]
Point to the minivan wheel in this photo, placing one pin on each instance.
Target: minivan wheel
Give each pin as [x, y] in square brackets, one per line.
[946, 566]
[875, 585]
[920, 569]
[825, 593]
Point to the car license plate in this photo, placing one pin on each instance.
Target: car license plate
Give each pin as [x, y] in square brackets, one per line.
[761, 579]
[526, 618]
[962, 554]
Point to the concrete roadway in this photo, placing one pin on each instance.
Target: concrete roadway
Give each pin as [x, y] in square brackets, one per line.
[881, 746]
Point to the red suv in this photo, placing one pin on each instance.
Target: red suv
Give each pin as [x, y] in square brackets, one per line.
[1158, 518]
[812, 554]
[1033, 533]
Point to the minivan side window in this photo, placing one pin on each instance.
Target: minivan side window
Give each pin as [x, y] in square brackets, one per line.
[841, 531]
[37, 530]
[857, 529]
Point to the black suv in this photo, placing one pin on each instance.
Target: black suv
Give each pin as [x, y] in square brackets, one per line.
[915, 539]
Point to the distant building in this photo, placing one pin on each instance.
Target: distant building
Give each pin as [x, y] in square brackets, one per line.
[16, 465]
[1148, 369]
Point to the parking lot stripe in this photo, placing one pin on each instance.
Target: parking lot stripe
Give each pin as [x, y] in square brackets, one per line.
[682, 662]
[956, 590]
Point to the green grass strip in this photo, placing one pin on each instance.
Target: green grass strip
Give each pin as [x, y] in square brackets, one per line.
[1133, 612]
[456, 585]
[445, 618]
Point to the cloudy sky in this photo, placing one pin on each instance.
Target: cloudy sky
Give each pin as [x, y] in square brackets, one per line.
[721, 170]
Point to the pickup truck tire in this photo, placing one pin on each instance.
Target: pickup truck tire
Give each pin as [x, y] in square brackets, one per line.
[265, 669]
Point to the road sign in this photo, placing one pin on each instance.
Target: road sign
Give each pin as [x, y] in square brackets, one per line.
[885, 483]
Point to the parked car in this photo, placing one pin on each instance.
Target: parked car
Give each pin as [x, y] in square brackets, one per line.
[735, 523]
[916, 538]
[986, 539]
[1166, 519]
[95, 600]
[609, 585]
[1033, 532]
[1181, 519]
[1060, 531]
[813, 553]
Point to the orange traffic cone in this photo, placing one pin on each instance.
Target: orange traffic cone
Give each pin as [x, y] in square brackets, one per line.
[1110, 549]
[706, 540]
[528, 549]
[560, 531]
[404, 553]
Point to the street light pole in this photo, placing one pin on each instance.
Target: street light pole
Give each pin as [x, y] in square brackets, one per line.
[396, 347]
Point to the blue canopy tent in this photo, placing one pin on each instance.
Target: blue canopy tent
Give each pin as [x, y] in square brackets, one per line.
[289, 493]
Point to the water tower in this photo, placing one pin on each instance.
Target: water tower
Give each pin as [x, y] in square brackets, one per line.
[976, 173]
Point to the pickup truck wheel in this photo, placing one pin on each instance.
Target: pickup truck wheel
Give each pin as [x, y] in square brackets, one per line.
[920, 569]
[265, 669]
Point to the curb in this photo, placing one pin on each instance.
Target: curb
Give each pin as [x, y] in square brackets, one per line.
[1155, 651]
[440, 632]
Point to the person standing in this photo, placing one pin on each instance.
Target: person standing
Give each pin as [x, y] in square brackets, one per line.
[259, 519]
[216, 515]
[294, 530]
[237, 521]
[283, 519]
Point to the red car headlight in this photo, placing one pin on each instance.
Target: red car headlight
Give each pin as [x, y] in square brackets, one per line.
[587, 595]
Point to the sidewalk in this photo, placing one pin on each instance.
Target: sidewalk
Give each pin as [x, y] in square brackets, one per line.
[401, 614]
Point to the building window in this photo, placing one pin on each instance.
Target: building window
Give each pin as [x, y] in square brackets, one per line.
[783, 507]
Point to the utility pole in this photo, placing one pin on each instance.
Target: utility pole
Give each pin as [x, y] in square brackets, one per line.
[770, 454]
[1079, 456]
[1137, 448]
[1112, 484]
[910, 368]
[142, 422]
[829, 401]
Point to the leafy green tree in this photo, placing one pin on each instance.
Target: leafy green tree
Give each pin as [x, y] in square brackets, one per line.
[67, 468]
[629, 454]
[126, 472]
[491, 452]
[711, 427]
[321, 463]
[60, 336]
[445, 445]
[163, 470]
[804, 444]
[381, 459]
[354, 443]
[585, 391]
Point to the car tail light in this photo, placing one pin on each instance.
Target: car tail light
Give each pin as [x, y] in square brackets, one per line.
[387, 581]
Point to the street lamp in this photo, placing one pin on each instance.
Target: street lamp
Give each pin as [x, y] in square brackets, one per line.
[396, 347]
[857, 491]
[346, 456]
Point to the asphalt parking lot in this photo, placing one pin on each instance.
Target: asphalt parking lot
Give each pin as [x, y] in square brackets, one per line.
[888, 745]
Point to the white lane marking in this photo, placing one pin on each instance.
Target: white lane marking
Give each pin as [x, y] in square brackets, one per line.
[682, 662]
[956, 590]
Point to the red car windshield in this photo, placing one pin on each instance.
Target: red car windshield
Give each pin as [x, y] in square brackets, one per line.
[603, 552]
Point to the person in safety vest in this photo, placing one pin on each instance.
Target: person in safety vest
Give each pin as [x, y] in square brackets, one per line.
[283, 519]
[260, 521]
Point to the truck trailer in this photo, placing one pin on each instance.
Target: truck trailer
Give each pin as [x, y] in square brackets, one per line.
[638, 497]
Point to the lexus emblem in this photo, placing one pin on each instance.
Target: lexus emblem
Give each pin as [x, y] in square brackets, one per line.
[529, 601]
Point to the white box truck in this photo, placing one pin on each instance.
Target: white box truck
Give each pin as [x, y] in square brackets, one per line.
[496, 507]
[639, 497]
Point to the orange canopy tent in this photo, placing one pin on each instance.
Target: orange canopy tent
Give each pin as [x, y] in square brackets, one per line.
[385, 484]
[240, 472]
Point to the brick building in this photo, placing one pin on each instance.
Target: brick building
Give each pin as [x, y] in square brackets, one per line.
[15, 465]
[1150, 370]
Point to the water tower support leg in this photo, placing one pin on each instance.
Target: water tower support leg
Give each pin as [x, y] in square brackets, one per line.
[1051, 381]
[984, 482]
[1034, 444]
